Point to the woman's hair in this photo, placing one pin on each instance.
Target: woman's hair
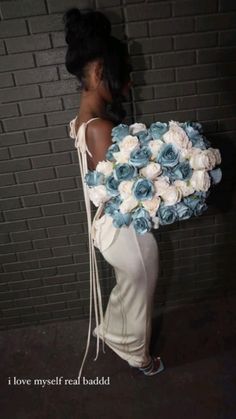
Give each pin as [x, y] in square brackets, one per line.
[88, 35]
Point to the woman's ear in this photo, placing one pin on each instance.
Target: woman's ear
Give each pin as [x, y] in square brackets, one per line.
[99, 69]
[96, 73]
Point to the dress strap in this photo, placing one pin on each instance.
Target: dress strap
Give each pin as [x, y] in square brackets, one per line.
[95, 290]
[80, 141]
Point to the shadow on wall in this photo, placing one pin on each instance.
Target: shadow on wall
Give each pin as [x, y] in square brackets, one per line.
[196, 255]
[223, 198]
[211, 271]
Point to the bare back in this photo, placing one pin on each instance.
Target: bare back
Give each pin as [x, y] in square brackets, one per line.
[98, 139]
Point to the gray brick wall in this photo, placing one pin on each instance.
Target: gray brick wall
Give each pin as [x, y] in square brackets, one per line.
[183, 54]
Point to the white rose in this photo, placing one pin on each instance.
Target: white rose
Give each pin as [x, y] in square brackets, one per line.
[210, 153]
[105, 167]
[200, 180]
[121, 156]
[136, 128]
[203, 160]
[172, 195]
[151, 205]
[199, 161]
[125, 187]
[177, 136]
[217, 154]
[98, 194]
[129, 143]
[160, 185]
[184, 187]
[128, 204]
[151, 171]
[187, 153]
[184, 153]
[155, 146]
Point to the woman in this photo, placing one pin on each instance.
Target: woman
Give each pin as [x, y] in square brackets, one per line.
[101, 63]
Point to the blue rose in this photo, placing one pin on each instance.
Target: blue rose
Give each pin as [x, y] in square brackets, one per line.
[140, 157]
[140, 212]
[168, 155]
[202, 194]
[184, 212]
[193, 131]
[192, 200]
[167, 171]
[182, 171]
[142, 225]
[112, 185]
[167, 214]
[144, 137]
[143, 189]
[141, 221]
[216, 175]
[200, 208]
[119, 132]
[112, 205]
[199, 143]
[207, 143]
[196, 203]
[158, 129]
[112, 149]
[120, 219]
[94, 178]
[124, 171]
[195, 125]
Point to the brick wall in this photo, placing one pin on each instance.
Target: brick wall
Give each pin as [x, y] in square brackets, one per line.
[183, 54]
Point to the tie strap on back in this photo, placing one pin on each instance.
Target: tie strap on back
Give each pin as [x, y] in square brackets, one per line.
[95, 290]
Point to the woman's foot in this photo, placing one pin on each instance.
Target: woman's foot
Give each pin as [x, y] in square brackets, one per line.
[153, 367]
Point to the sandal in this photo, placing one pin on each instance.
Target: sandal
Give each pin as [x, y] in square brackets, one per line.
[151, 368]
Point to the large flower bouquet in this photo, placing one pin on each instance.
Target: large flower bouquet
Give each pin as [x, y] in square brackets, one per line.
[155, 176]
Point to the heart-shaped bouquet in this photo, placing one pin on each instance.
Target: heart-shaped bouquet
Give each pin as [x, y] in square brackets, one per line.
[155, 176]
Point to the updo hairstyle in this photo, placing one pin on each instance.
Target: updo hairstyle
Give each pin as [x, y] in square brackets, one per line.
[88, 35]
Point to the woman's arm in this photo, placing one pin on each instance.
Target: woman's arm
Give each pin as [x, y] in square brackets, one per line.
[98, 139]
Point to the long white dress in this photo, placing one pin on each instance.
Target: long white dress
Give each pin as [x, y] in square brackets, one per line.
[126, 325]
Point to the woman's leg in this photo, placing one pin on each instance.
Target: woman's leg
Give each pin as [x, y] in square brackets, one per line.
[127, 319]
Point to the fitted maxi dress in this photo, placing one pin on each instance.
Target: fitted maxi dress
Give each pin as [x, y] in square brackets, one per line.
[126, 325]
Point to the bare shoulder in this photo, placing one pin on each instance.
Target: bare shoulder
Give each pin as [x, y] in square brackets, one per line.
[99, 128]
[98, 139]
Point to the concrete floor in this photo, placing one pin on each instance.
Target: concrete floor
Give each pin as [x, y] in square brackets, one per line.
[197, 344]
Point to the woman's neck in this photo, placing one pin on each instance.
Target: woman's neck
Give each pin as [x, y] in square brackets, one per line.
[92, 104]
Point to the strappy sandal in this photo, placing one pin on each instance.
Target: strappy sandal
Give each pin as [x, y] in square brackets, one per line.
[151, 369]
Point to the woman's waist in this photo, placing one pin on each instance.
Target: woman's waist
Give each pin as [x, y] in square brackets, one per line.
[103, 231]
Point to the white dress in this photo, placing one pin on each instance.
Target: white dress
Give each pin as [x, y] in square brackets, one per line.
[126, 325]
